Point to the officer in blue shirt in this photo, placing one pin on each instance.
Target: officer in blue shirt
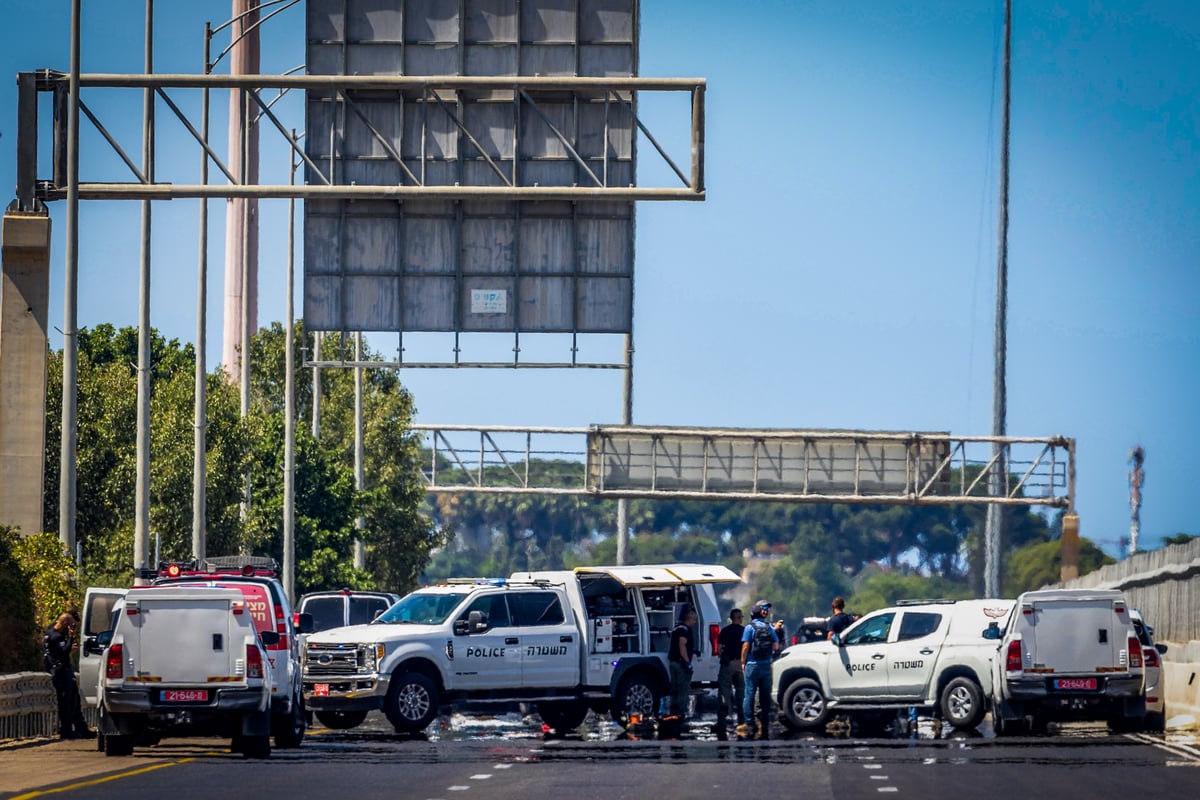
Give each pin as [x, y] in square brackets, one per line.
[759, 645]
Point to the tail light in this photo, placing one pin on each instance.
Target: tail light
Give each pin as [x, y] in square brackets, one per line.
[1150, 657]
[254, 661]
[281, 629]
[714, 631]
[114, 663]
[1135, 653]
[1012, 661]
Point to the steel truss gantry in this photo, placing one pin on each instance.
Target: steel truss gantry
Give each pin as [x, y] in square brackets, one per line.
[799, 466]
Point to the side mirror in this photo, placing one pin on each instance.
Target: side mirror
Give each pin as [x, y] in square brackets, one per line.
[304, 622]
[269, 638]
[477, 622]
[837, 640]
[992, 632]
[1161, 648]
[460, 627]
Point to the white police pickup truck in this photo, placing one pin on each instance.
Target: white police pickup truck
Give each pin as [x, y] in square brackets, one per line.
[595, 638]
[935, 656]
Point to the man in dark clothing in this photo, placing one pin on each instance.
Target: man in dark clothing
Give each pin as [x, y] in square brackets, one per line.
[679, 658]
[840, 619]
[59, 645]
[731, 683]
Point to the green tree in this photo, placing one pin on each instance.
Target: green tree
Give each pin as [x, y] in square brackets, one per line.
[18, 614]
[1040, 563]
[879, 588]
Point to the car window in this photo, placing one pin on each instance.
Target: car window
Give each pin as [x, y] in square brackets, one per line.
[494, 610]
[536, 608]
[421, 608]
[872, 630]
[327, 612]
[1142, 634]
[365, 609]
[915, 624]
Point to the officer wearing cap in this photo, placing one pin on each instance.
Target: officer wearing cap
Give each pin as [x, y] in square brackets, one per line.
[759, 644]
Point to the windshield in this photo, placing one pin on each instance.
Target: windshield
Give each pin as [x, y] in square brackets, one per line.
[421, 608]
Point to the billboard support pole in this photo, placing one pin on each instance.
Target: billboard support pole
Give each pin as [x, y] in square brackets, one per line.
[626, 419]
[141, 537]
[70, 363]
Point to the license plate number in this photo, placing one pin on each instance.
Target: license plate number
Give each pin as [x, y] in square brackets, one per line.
[1075, 684]
[184, 695]
[321, 689]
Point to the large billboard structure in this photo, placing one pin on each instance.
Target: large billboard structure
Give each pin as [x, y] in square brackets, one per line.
[548, 112]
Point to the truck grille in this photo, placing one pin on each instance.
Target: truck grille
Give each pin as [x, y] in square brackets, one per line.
[332, 660]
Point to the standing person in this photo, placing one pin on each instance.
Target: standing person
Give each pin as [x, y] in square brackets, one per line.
[840, 619]
[759, 643]
[731, 683]
[679, 657]
[59, 643]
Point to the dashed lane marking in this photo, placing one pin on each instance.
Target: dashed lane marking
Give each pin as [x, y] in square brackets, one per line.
[482, 776]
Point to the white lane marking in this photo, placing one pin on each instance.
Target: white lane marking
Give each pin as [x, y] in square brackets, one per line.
[879, 777]
[872, 766]
[457, 788]
[887, 789]
[482, 776]
[501, 766]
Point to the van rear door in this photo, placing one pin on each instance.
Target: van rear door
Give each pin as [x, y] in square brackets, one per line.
[1074, 636]
[97, 618]
[200, 626]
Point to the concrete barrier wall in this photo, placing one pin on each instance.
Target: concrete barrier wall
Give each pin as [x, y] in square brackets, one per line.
[1181, 682]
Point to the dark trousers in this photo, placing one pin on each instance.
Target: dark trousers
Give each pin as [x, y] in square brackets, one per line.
[70, 708]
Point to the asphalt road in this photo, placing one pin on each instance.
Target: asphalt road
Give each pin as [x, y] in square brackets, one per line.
[509, 757]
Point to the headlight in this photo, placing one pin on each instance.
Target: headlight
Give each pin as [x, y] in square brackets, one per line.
[372, 656]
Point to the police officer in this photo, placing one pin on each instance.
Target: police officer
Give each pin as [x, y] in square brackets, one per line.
[679, 659]
[760, 642]
[60, 643]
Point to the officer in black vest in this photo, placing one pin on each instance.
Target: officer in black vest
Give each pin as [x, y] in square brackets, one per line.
[60, 643]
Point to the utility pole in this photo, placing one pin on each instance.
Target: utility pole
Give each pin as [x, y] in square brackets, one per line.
[994, 529]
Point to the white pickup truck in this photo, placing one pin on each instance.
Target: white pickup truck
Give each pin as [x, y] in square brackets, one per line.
[184, 660]
[1070, 654]
[595, 638]
[935, 656]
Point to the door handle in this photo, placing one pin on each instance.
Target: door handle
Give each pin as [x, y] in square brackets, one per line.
[510, 640]
[877, 656]
[926, 651]
[566, 639]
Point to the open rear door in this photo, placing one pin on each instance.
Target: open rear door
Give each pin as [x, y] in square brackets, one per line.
[650, 575]
[704, 573]
[97, 618]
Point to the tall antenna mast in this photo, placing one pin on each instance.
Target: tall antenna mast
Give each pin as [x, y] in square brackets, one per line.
[1137, 478]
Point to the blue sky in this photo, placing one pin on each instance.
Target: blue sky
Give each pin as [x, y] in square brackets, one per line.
[841, 272]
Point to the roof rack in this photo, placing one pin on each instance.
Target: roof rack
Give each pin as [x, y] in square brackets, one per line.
[929, 602]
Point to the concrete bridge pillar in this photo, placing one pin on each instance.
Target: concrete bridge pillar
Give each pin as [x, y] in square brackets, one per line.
[24, 301]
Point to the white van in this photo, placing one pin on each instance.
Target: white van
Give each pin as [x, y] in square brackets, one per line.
[1069, 654]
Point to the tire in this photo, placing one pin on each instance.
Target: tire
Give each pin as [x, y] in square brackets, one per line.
[1156, 721]
[289, 728]
[804, 706]
[1119, 723]
[412, 703]
[115, 745]
[962, 704]
[341, 720]
[562, 716]
[253, 746]
[638, 693]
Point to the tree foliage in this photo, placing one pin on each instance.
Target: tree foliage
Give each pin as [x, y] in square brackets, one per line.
[398, 536]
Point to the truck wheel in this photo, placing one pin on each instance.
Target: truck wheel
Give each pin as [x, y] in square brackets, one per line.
[341, 720]
[804, 706]
[115, 745]
[962, 704]
[289, 728]
[562, 716]
[412, 703]
[1156, 721]
[636, 694]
